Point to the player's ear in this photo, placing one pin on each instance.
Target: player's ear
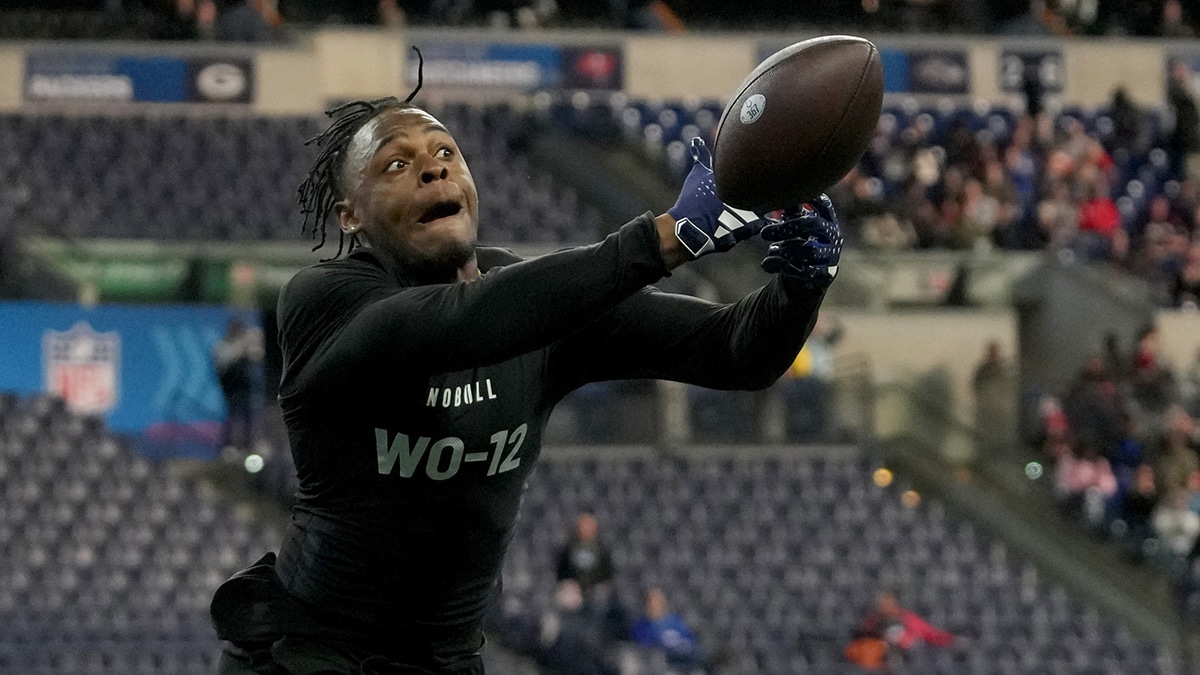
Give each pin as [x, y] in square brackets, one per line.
[347, 217]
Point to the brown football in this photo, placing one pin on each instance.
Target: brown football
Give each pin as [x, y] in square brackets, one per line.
[798, 123]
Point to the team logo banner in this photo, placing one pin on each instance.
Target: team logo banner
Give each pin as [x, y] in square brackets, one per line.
[592, 68]
[220, 80]
[938, 72]
[145, 370]
[81, 367]
[100, 77]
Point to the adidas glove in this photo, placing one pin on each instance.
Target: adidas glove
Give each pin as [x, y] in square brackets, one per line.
[806, 244]
[703, 223]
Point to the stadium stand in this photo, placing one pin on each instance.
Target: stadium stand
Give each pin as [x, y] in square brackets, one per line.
[159, 177]
[773, 561]
[1104, 184]
[110, 559]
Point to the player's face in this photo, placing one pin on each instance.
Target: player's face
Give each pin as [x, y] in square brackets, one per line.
[410, 190]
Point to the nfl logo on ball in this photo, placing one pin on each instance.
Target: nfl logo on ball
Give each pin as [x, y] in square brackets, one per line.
[80, 367]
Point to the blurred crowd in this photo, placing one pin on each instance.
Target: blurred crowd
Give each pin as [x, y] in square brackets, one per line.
[1125, 451]
[1128, 196]
[213, 18]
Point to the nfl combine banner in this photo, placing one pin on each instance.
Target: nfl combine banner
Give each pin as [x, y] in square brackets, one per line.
[146, 370]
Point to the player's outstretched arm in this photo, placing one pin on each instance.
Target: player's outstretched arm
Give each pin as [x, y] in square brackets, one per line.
[744, 345]
[353, 321]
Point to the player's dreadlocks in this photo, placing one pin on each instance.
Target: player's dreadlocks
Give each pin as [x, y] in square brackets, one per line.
[323, 186]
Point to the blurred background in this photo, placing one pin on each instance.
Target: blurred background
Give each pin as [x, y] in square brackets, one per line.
[984, 461]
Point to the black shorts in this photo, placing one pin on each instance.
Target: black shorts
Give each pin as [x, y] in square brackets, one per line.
[267, 632]
[309, 656]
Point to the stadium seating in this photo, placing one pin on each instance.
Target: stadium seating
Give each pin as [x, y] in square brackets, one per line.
[775, 561]
[109, 560]
[235, 178]
[662, 129]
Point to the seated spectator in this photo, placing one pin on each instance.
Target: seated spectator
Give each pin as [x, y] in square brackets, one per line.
[1191, 387]
[662, 629]
[1058, 217]
[1186, 288]
[1093, 406]
[585, 559]
[1129, 129]
[1176, 526]
[1099, 220]
[1084, 482]
[1178, 465]
[1135, 510]
[1152, 384]
[571, 641]
[894, 631]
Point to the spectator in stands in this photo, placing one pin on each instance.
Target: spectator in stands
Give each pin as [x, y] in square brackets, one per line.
[1178, 465]
[1058, 217]
[980, 212]
[660, 628]
[571, 642]
[242, 20]
[804, 385]
[237, 357]
[901, 630]
[1084, 482]
[1099, 222]
[1054, 434]
[585, 559]
[1186, 288]
[995, 394]
[1191, 387]
[1177, 527]
[1135, 510]
[1093, 407]
[1129, 126]
[1174, 24]
[1185, 137]
[1151, 383]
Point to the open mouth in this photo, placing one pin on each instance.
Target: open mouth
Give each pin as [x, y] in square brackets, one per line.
[440, 210]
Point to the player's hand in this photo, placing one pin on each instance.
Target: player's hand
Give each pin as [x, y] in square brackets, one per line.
[703, 223]
[806, 244]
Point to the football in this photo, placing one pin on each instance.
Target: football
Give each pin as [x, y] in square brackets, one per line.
[798, 123]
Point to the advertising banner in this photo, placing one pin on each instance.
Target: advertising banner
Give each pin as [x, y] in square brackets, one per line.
[145, 369]
[524, 67]
[911, 71]
[939, 72]
[97, 77]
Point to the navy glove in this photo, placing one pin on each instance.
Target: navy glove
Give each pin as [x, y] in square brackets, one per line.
[703, 223]
[807, 244]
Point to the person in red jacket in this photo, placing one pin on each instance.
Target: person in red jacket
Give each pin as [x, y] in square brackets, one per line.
[888, 632]
[1099, 221]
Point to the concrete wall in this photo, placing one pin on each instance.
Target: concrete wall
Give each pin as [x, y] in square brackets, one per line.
[1179, 338]
[902, 346]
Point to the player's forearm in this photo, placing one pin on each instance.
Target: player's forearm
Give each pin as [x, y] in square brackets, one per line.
[510, 311]
[755, 340]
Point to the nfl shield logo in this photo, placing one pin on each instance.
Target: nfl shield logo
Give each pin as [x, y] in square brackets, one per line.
[81, 368]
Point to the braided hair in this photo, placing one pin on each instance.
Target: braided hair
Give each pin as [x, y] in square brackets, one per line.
[323, 187]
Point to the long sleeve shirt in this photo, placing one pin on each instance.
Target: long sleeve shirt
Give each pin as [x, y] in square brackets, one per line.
[415, 412]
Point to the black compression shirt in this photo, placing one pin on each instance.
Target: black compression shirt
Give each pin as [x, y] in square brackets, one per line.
[415, 413]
